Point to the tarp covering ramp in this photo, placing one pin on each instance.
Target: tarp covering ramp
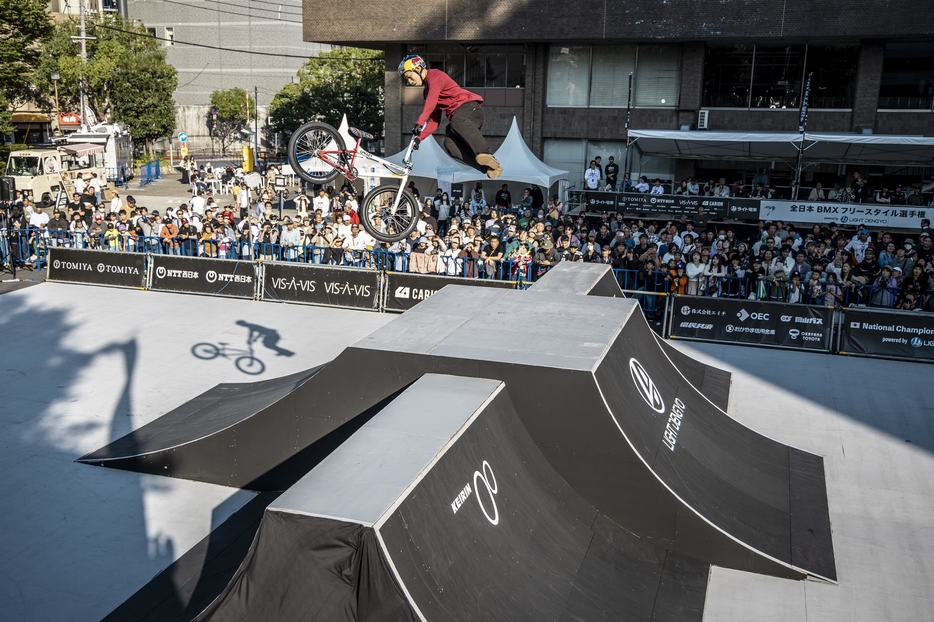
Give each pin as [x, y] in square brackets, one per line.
[836, 148]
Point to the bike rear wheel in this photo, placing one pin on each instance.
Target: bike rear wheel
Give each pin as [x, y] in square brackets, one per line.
[250, 365]
[381, 222]
[305, 152]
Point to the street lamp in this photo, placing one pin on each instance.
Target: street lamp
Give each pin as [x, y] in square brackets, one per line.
[55, 78]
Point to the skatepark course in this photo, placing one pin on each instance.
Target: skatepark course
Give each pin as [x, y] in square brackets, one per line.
[604, 404]
[442, 508]
[590, 279]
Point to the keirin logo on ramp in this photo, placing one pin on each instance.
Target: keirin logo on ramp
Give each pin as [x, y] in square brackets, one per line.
[485, 475]
[646, 387]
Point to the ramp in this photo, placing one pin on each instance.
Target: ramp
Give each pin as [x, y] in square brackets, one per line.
[599, 280]
[191, 441]
[441, 508]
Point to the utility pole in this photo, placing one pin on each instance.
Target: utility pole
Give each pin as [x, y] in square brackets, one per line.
[83, 38]
[256, 128]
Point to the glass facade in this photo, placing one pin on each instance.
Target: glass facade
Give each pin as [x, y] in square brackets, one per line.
[477, 66]
[907, 76]
[598, 76]
[773, 76]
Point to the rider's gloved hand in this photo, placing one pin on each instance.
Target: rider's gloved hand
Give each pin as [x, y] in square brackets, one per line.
[415, 143]
[417, 130]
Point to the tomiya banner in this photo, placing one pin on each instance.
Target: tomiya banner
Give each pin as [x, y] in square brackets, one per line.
[216, 277]
[97, 267]
[901, 335]
[806, 327]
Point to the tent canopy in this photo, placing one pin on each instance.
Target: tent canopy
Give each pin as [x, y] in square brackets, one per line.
[836, 148]
[81, 150]
[518, 162]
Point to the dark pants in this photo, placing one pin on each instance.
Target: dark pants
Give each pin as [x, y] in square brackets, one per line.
[462, 138]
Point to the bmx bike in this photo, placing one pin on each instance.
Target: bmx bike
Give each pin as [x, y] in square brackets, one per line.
[318, 154]
[245, 361]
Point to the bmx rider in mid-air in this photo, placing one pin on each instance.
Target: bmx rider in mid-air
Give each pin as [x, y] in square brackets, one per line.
[464, 110]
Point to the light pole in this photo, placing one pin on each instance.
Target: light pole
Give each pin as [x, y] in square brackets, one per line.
[55, 78]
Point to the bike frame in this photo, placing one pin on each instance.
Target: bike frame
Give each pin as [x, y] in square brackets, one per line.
[382, 168]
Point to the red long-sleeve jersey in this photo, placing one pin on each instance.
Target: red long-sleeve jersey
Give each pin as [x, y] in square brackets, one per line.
[441, 94]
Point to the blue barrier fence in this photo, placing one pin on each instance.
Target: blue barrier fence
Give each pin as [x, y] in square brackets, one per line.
[31, 245]
[119, 176]
[149, 173]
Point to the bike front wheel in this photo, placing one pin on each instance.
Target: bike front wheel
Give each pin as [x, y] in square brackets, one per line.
[250, 365]
[315, 149]
[381, 221]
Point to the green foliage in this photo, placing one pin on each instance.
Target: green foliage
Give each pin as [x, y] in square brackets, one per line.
[234, 108]
[126, 77]
[343, 80]
[6, 126]
[23, 24]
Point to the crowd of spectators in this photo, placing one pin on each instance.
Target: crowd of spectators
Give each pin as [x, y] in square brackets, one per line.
[855, 189]
[514, 239]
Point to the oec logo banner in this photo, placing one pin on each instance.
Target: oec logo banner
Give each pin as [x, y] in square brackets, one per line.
[97, 267]
[216, 277]
[748, 321]
[404, 291]
[321, 285]
[904, 335]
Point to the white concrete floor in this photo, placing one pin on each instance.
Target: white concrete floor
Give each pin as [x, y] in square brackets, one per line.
[81, 366]
[873, 422]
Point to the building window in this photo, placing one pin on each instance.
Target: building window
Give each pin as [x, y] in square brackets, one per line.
[151, 31]
[569, 76]
[834, 81]
[170, 36]
[776, 76]
[598, 76]
[907, 75]
[727, 76]
[773, 76]
[477, 66]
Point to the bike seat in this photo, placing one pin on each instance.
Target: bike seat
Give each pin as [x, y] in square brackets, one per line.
[360, 133]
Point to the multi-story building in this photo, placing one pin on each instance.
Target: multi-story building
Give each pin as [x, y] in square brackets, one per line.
[562, 69]
[262, 49]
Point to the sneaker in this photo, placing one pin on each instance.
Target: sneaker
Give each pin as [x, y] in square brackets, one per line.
[489, 161]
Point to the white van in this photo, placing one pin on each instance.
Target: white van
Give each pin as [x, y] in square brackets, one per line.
[118, 148]
[38, 172]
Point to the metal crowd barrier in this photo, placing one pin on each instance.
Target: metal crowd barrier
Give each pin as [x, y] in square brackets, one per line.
[149, 173]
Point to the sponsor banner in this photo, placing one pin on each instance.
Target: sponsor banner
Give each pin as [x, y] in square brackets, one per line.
[217, 277]
[805, 327]
[321, 285]
[869, 214]
[404, 290]
[97, 267]
[638, 203]
[601, 201]
[871, 332]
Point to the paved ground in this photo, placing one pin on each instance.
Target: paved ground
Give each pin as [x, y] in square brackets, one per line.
[82, 366]
[171, 192]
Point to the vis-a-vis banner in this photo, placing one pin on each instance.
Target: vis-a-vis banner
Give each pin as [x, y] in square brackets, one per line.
[675, 205]
[902, 335]
[848, 214]
[806, 327]
[97, 267]
[405, 290]
[216, 277]
[321, 285]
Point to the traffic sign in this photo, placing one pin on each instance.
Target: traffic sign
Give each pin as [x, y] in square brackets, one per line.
[182, 137]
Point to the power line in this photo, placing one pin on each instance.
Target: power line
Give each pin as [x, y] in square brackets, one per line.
[218, 10]
[223, 49]
[299, 14]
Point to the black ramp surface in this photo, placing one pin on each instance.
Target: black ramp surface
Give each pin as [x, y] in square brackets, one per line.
[473, 525]
[732, 477]
[599, 280]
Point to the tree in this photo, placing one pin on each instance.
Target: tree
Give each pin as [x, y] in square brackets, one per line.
[23, 25]
[343, 80]
[126, 77]
[231, 110]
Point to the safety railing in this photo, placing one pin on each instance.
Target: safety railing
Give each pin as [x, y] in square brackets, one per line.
[149, 173]
[120, 176]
